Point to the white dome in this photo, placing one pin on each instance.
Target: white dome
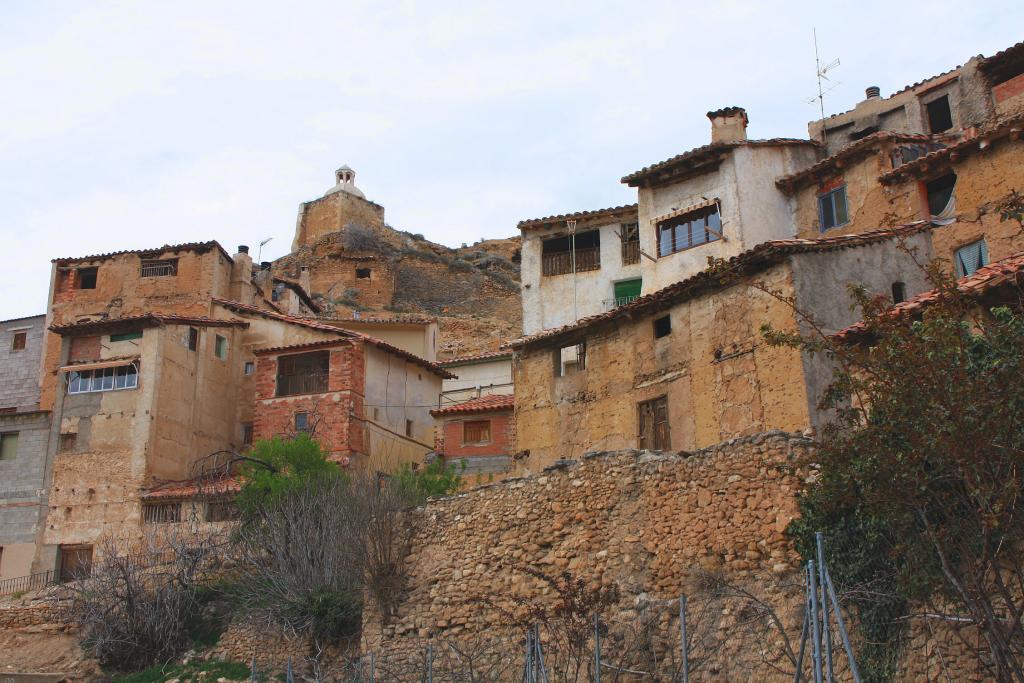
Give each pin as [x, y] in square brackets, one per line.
[345, 181]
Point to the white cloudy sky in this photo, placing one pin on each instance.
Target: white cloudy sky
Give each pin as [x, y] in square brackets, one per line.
[137, 124]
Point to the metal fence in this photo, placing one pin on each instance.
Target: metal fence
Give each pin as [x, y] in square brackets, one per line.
[31, 582]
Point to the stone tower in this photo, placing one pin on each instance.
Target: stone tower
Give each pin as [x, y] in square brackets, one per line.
[341, 206]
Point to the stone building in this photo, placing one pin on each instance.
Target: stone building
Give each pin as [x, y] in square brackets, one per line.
[24, 435]
[686, 367]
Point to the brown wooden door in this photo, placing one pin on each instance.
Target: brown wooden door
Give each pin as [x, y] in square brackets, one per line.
[653, 420]
[75, 562]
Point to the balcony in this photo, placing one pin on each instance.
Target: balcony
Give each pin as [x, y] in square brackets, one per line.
[609, 304]
[307, 383]
[561, 262]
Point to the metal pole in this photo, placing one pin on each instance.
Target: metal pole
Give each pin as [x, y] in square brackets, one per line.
[372, 666]
[597, 649]
[825, 635]
[683, 645]
[803, 640]
[540, 655]
[528, 670]
[842, 629]
[289, 677]
[812, 577]
[252, 670]
[430, 664]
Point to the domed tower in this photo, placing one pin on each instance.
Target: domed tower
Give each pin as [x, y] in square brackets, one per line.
[343, 205]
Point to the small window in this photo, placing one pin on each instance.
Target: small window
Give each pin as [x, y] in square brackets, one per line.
[221, 511]
[970, 257]
[247, 433]
[75, 562]
[250, 367]
[8, 446]
[940, 195]
[193, 339]
[630, 236]
[689, 230]
[577, 253]
[408, 427]
[18, 341]
[161, 513]
[220, 347]
[476, 432]
[302, 422]
[940, 118]
[662, 327]
[899, 292]
[653, 419]
[103, 379]
[363, 273]
[159, 267]
[126, 336]
[832, 209]
[86, 278]
[570, 359]
[67, 442]
[277, 292]
[376, 414]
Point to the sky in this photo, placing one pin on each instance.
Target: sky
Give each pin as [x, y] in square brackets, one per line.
[128, 125]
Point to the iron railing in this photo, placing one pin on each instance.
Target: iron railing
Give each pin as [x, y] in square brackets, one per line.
[306, 383]
[23, 584]
[561, 262]
[159, 268]
[609, 304]
[630, 252]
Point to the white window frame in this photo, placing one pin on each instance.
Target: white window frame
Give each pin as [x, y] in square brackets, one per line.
[131, 379]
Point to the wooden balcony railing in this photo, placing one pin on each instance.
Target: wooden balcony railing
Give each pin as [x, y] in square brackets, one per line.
[561, 262]
[630, 252]
[308, 383]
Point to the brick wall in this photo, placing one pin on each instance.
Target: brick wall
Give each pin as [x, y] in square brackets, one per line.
[450, 435]
[336, 413]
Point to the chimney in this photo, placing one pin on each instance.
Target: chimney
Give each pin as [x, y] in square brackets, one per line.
[728, 124]
[243, 249]
[264, 265]
[873, 92]
[242, 288]
[304, 278]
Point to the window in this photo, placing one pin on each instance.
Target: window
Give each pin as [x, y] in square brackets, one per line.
[18, 341]
[8, 446]
[626, 291]
[558, 256]
[86, 278]
[899, 292]
[662, 327]
[630, 243]
[970, 258]
[159, 267]
[103, 379]
[277, 292]
[363, 273]
[161, 513]
[832, 209]
[689, 230]
[67, 442]
[247, 433]
[303, 373]
[302, 422]
[221, 511]
[75, 562]
[250, 367]
[653, 419]
[570, 359]
[220, 347]
[940, 194]
[408, 427]
[476, 431]
[940, 118]
[126, 336]
[193, 339]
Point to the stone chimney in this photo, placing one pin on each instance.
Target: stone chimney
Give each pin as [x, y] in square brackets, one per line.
[304, 279]
[728, 124]
[872, 92]
[242, 288]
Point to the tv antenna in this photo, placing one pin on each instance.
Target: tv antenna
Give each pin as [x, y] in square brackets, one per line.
[823, 76]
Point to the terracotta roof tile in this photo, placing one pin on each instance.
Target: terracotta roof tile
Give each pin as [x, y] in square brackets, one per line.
[629, 210]
[190, 488]
[1004, 271]
[484, 404]
[1008, 126]
[300, 292]
[752, 260]
[853, 149]
[187, 246]
[706, 152]
[239, 307]
[147, 320]
[475, 358]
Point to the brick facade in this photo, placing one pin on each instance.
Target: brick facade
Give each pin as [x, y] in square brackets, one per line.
[449, 440]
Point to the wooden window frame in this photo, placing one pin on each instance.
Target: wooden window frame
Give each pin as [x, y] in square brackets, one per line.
[830, 197]
[684, 222]
[485, 432]
[19, 340]
[9, 436]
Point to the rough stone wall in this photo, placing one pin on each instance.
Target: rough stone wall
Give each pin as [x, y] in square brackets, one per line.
[721, 381]
[332, 213]
[336, 413]
[651, 523]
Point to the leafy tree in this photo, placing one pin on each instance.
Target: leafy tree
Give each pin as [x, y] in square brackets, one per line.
[436, 479]
[277, 467]
[921, 472]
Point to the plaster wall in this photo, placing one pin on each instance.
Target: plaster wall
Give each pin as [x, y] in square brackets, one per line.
[753, 210]
[555, 300]
[750, 386]
[418, 339]
[492, 376]
[20, 367]
[396, 391]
